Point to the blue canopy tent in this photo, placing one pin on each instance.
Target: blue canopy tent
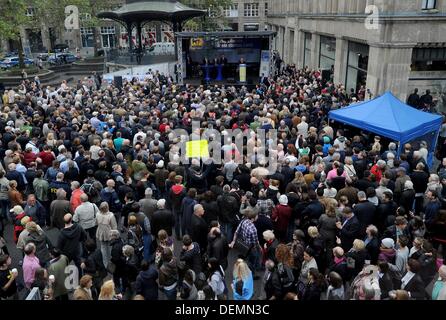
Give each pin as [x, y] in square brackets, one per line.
[389, 117]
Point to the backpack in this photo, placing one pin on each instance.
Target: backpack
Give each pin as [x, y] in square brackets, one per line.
[133, 238]
[286, 275]
[90, 190]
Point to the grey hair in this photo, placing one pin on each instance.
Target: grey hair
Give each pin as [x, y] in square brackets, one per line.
[61, 193]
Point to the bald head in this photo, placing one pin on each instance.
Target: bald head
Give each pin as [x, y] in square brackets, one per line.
[84, 197]
[67, 218]
[110, 183]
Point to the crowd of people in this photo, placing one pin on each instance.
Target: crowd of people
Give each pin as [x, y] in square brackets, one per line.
[90, 181]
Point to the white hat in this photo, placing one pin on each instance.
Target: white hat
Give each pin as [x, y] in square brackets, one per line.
[161, 203]
[17, 210]
[388, 243]
[283, 200]
[160, 164]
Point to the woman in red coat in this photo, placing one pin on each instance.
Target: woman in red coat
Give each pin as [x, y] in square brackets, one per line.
[281, 216]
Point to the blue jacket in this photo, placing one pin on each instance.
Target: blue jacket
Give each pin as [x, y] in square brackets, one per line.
[248, 288]
[431, 210]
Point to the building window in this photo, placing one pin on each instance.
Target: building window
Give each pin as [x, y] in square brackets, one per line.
[251, 27]
[108, 37]
[358, 62]
[231, 11]
[266, 9]
[251, 10]
[307, 47]
[429, 59]
[87, 37]
[428, 4]
[327, 53]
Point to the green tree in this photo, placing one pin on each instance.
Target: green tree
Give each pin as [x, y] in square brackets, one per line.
[12, 16]
[214, 18]
[52, 14]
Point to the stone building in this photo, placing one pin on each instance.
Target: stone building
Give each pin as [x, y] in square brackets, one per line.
[398, 47]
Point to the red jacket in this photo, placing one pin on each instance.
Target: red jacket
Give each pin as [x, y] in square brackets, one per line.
[376, 171]
[281, 217]
[29, 157]
[18, 227]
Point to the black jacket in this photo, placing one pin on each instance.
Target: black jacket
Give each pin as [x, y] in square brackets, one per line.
[94, 266]
[146, 284]
[270, 252]
[211, 211]
[416, 288]
[365, 212]
[262, 224]
[406, 200]
[228, 208]
[199, 232]
[218, 248]
[349, 232]
[192, 258]
[373, 250]
[428, 268]
[162, 220]
[386, 285]
[312, 293]
[70, 240]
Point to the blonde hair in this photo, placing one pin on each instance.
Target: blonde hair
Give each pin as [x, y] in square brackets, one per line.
[330, 209]
[107, 290]
[268, 235]
[338, 252]
[313, 232]
[358, 245]
[241, 270]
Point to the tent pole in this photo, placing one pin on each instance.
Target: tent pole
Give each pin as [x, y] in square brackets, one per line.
[430, 156]
[400, 147]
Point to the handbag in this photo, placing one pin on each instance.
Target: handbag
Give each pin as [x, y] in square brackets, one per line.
[241, 245]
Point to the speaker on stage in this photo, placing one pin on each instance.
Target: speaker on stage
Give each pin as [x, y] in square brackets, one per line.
[118, 81]
[326, 75]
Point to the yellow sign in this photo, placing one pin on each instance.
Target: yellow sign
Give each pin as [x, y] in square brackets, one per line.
[196, 43]
[243, 73]
[197, 149]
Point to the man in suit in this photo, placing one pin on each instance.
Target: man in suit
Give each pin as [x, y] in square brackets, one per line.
[349, 229]
[364, 210]
[412, 282]
[199, 228]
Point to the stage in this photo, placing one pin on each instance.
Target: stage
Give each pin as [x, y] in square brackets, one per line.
[225, 58]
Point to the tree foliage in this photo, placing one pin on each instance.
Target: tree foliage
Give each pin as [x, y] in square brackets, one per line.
[12, 15]
[214, 18]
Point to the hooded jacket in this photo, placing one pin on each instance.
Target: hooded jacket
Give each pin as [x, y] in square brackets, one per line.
[70, 240]
[228, 208]
[192, 258]
[43, 246]
[146, 284]
[168, 274]
[176, 194]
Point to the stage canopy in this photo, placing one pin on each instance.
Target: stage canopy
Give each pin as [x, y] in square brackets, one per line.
[389, 117]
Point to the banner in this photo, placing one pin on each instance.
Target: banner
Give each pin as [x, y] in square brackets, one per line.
[197, 149]
[265, 63]
[242, 72]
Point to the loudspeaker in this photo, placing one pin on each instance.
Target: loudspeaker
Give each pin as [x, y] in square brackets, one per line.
[118, 81]
[326, 75]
